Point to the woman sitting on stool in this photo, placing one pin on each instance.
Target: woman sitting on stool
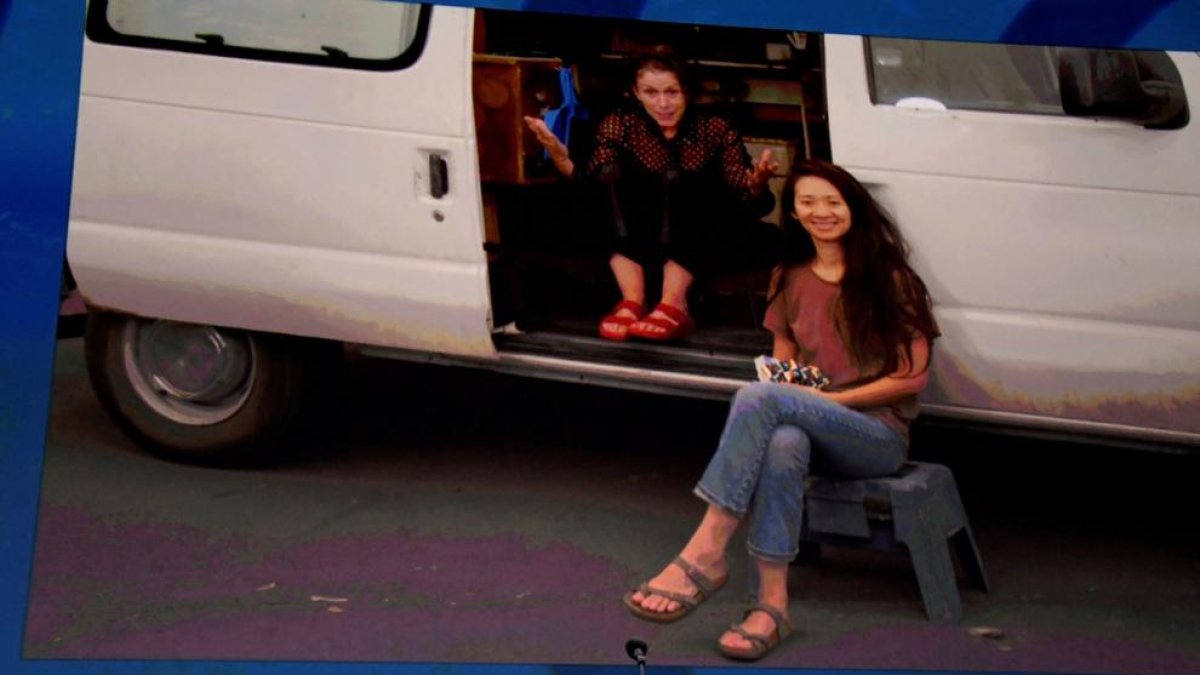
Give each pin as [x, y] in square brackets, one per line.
[848, 303]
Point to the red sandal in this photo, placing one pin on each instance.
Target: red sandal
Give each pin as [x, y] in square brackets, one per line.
[676, 326]
[615, 326]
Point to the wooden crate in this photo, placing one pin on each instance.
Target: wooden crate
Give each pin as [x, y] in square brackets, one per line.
[505, 89]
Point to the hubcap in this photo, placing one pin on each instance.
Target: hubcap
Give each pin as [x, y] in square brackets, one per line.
[195, 375]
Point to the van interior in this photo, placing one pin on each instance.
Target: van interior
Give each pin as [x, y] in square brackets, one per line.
[549, 274]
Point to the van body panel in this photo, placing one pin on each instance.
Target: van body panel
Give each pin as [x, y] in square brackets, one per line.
[426, 97]
[310, 185]
[1089, 253]
[1060, 252]
[213, 174]
[284, 289]
[1026, 148]
[1070, 369]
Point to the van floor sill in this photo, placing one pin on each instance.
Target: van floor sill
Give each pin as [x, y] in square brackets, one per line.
[692, 356]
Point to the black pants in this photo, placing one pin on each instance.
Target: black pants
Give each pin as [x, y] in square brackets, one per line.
[746, 246]
[693, 223]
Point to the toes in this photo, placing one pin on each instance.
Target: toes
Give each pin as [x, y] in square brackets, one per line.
[654, 603]
[753, 625]
[664, 317]
[733, 640]
[659, 326]
[647, 327]
[660, 604]
[667, 580]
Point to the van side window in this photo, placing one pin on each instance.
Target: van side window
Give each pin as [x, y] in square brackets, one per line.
[965, 75]
[1026, 79]
[370, 34]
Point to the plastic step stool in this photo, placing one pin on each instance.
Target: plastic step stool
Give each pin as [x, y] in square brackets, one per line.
[917, 509]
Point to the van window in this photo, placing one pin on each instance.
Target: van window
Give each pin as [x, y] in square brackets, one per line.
[372, 34]
[1005, 78]
[965, 75]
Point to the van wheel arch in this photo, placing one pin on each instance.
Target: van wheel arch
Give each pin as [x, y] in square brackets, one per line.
[200, 394]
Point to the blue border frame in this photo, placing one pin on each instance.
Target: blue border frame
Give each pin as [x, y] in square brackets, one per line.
[1137, 24]
[39, 91]
[40, 48]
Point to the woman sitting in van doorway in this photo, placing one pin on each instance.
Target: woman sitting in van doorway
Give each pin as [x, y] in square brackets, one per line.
[847, 301]
[684, 194]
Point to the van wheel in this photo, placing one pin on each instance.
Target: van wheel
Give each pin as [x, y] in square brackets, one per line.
[195, 394]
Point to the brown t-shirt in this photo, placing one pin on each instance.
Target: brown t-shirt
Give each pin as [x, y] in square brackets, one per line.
[807, 309]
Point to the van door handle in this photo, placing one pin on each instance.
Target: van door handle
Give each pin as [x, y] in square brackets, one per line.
[439, 176]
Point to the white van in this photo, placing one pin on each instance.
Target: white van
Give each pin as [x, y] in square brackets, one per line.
[256, 180]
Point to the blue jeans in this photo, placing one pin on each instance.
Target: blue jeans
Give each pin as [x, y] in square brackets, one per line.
[773, 433]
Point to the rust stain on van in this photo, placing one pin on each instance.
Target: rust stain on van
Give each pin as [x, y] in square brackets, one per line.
[1042, 393]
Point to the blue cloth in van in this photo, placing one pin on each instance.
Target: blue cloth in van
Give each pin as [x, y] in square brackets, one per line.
[560, 120]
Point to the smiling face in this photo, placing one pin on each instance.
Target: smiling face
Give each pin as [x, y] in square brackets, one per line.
[820, 208]
[661, 94]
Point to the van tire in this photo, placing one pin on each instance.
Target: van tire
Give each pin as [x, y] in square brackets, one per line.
[197, 394]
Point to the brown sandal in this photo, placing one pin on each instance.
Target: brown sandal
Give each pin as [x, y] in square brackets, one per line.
[616, 327]
[760, 644]
[705, 587]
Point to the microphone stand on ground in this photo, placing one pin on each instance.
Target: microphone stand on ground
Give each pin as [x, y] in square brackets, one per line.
[637, 649]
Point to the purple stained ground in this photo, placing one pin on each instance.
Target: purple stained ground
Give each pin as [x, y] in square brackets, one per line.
[140, 590]
[513, 539]
[124, 589]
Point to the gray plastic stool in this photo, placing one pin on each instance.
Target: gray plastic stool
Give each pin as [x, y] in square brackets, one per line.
[918, 509]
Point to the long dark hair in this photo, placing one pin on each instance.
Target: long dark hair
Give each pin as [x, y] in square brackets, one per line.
[884, 304]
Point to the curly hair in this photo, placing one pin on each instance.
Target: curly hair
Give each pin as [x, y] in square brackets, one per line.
[884, 303]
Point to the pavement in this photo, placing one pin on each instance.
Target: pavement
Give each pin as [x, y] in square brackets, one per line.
[453, 516]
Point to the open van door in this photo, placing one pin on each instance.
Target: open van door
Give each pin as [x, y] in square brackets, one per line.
[1059, 243]
[249, 172]
[317, 179]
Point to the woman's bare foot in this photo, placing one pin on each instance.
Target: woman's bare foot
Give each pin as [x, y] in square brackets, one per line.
[657, 326]
[624, 314]
[675, 580]
[666, 322]
[758, 623]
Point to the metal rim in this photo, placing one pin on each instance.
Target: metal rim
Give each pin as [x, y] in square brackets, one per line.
[189, 374]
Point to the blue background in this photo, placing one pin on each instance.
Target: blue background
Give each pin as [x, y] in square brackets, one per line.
[1157, 24]
[40, 48]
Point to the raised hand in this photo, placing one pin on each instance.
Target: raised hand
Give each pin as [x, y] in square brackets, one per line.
[761, 171]
[558, 151]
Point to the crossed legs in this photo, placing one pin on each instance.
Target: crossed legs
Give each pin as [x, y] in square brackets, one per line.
[773, 433]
